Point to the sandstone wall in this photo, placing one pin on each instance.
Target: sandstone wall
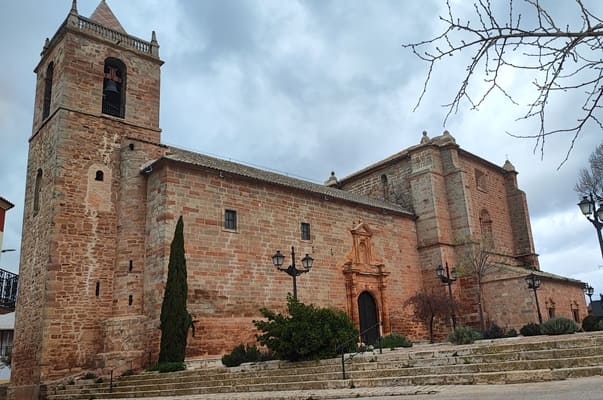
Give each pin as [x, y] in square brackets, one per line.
[230, 273]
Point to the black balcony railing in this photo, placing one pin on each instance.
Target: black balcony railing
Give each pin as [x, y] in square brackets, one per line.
[8, 289]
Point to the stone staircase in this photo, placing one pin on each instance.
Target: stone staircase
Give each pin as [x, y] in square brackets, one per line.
[513, 360]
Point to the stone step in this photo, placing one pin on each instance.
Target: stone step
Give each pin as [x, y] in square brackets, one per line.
[398, 358]
[357, 376]
[358, 364]
[504, 361]
[504, 377]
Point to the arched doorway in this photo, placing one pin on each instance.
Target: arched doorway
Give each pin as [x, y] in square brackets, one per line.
[367, 312]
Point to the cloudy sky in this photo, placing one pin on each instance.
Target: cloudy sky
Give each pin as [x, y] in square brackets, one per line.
[306, 87]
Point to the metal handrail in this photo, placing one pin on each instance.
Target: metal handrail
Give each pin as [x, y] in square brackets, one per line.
[341, 347]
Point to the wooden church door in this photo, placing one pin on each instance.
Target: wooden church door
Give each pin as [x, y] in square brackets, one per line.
[367, 310]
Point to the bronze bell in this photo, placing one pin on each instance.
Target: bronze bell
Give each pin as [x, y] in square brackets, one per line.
[110, 87]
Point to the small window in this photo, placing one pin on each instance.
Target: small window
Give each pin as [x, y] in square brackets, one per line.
[130, 300]
[47, 91]
[97, 290]
[305, 231]
[100, 176]
[37, 190]
[576, 315]
[551, 312]
[230, 220]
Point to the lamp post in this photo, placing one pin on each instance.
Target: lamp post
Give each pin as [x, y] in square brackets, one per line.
[7, 250]
[534, 283]
[448, 279]
[588, 206]
[589, 290]
[278, 259]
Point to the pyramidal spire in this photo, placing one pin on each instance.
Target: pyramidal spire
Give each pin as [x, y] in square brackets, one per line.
[104, 16]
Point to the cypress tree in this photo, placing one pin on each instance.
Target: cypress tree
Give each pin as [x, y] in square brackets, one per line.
[175, 319]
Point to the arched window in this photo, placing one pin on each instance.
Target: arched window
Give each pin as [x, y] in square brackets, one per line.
[47, 90]
[114, 85]
[100, 176]
[485, 223]
[384, 187]
[37, 189]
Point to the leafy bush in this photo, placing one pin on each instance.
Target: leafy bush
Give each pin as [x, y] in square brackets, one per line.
[590, 323]
[511, 333]
[307, 333]
[494, 332]
[394, 340]
[559, 326]
[89, 375]
[464, 335]
[530, 329]
[242, 354]
[600, 325]
[99, 380]
[168, 367]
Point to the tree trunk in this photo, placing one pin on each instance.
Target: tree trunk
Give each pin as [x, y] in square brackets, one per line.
[482, 322]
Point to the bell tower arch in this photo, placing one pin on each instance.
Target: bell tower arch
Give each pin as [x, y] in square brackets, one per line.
[97, 90]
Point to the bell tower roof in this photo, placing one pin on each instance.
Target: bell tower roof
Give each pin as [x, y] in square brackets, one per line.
[104, 16]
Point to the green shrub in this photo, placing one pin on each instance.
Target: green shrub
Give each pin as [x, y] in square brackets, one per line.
[464, 335]
[559, 326]
[600, 325]
[394, 340]
[511, 333]
[168, 367]
[530, 329]
[494, 332]
[590, 323]
[89, 375]
[242, 354]
[99, 380]
[307, 333]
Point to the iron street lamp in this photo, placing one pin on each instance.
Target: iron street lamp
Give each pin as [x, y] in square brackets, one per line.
[588, 206]
[278, 259]
[534, 283]
[7, 250]
[448, 279]
[589, 290]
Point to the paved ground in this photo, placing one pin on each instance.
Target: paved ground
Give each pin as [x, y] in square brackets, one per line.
[582, 389]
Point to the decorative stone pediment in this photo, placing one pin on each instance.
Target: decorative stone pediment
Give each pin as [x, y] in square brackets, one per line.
[362, 257]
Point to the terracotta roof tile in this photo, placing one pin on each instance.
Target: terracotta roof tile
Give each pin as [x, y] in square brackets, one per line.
[201, 160]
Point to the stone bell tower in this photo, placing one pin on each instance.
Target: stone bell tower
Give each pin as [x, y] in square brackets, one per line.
[96, 108]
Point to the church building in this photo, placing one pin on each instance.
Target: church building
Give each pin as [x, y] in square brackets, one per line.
[103, 196]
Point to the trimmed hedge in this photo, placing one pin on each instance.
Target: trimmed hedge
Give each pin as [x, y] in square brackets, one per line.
[242, 354]
[464, 335]
[590, 323]
[531, 329]
[559, 326]
[394, 340]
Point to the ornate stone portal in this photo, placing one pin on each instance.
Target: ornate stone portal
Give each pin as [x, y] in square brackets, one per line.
[365, 282]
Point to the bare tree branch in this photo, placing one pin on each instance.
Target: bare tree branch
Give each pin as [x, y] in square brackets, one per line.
[590, 181]
[561, 60]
